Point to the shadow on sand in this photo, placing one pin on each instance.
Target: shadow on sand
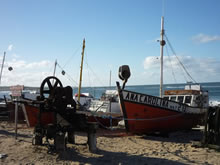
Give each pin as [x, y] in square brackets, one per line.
[177, 137]
[106, 157]
[7, 133]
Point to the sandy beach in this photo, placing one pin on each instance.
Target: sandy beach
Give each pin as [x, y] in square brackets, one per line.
[130, 149]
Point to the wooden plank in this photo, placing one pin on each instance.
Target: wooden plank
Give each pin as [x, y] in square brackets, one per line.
[25, 114]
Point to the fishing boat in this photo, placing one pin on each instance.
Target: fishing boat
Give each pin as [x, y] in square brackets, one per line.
[108, 102]
[173, 110]
[103, 118]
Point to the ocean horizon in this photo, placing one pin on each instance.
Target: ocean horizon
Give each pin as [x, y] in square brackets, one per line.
[212, 87]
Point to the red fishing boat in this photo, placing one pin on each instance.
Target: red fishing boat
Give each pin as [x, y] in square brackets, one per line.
[103, 119]
[47, 92]
[173, 110]
[176, 110]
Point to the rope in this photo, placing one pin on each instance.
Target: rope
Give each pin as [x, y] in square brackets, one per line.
[141, 119]
[137, 119]
[89, 80]
[69, 77]
[179, 59]
[76, 51]
[87, 67]
[159, 118]
[101, 123]
[171, 65]
[97, 77]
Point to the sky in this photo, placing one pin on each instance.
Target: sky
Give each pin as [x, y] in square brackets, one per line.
[35, 33]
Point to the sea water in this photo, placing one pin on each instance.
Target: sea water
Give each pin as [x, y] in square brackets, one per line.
[213, 88]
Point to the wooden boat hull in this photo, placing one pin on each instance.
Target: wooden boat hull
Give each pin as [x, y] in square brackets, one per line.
[148, 114]
[33, 112]
[48, 117]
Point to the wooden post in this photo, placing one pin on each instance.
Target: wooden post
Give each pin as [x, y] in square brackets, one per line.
[71, 137]
[205, 133]
[92, 141]
[25, 114]
[92, 136]
[110, 110]
[59, 141]
[16, 118]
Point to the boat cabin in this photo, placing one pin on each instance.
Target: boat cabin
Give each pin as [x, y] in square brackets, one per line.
[110, 95]
[85, 98]
[192, 95]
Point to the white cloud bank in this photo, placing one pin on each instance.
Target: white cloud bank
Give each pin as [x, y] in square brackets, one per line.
[204, 38]
[33, 73]
[24, 73]
[202, 70]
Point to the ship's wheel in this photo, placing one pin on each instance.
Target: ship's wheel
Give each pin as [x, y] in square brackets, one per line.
[48, 86]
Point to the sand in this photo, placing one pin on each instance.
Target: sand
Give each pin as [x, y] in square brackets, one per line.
[134, 150]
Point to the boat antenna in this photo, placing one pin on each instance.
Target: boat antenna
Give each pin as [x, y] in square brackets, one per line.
[3, 61]
[110, 78]
[162, 43]
[81, 68]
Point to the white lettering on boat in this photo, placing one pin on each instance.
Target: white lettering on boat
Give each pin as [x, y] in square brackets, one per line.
[154, 101]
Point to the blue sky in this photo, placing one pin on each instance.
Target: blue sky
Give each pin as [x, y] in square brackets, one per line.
[34, 33]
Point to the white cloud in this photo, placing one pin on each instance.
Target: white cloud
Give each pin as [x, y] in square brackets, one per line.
[15, 55]
[202, 70]
[10, 47]
[151, 62]
[31, 73]
[203, 38]
[23, 65]
[24, 73]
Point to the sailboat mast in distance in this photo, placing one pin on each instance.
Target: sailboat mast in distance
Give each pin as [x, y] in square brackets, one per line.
[55, 65]
[81, 68]
[3, 61]
[162, 43]
[110, 78]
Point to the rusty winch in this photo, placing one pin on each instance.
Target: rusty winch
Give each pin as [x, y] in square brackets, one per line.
[58, 101]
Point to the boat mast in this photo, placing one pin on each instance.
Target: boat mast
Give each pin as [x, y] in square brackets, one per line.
[81, 68]
[162, 43]
[55, 65]
[110, 78]
[3, 61]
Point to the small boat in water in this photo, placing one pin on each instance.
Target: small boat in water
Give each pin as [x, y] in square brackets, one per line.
[174, 110]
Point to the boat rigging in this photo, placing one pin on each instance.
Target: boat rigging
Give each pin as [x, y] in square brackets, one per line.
[173, 110]
[163, 41]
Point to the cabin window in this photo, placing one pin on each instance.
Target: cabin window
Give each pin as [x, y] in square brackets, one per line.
[166, 98]
[180, 99]
[173, 98]
[188, 99]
